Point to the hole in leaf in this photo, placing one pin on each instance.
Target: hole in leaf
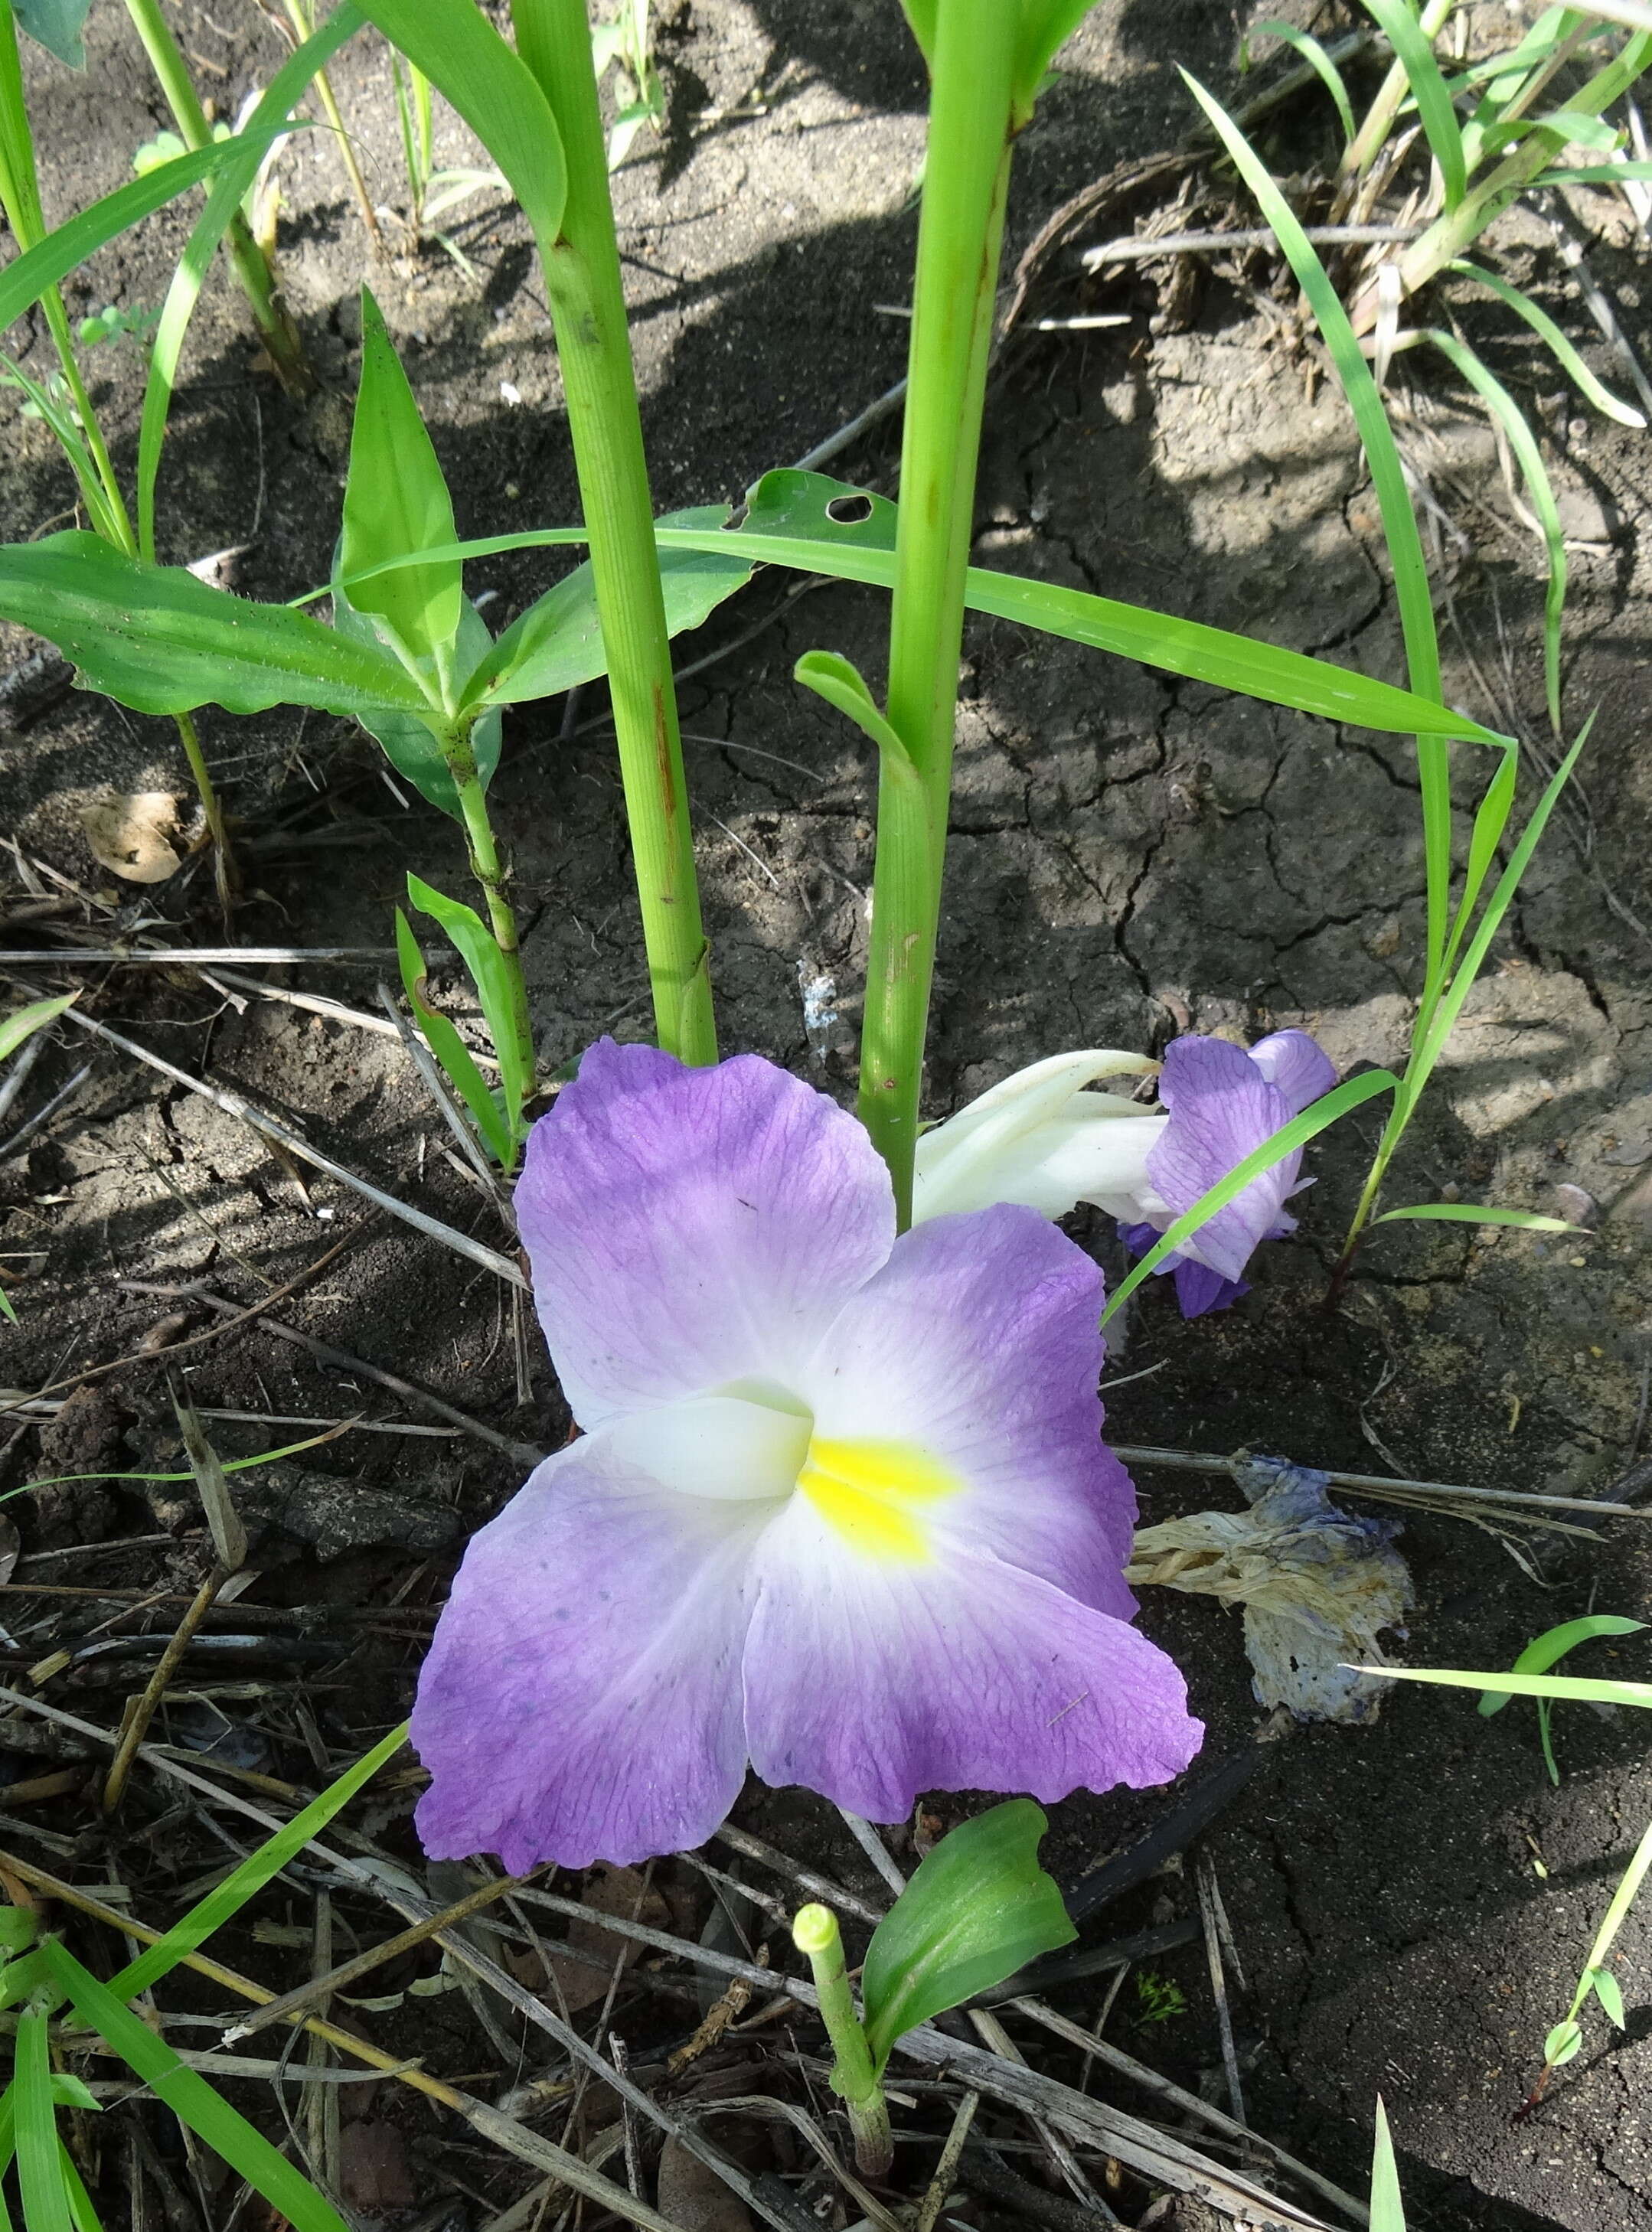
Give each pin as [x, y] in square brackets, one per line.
[850, 510]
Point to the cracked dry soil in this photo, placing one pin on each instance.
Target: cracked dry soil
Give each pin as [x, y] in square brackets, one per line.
[1131, 858]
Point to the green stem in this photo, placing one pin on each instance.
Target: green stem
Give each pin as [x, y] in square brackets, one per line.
[275, 328]
[581, 270]
[815, 1932]
[1367, 145]
[960, 234]
[489, 871]
[223, 862]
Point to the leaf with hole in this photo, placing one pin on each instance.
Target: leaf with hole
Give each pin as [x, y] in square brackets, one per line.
[979, 1908]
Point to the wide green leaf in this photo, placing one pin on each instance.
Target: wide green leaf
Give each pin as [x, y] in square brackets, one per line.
[395, 503]
[557, 643]
[494, 90]
[412, 743]
[233, 177]
[227, 1899]
[158, 641]
[57, 25]
[979, 1908]
[191, 2098]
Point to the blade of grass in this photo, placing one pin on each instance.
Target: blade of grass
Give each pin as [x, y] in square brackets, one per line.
[1316, 59]
[1546, 1650]
[1523, 442]
[1556, 341]
[1351, 1094]
[40, 2170]
[1388, 2212]
[1469, 1212]
[1435, 110]
[1562, 1689]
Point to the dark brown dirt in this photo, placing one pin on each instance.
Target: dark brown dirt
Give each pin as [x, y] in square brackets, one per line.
[1411, 1901]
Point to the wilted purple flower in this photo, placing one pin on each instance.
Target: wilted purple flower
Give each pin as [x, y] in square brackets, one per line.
[841, 1509]
[1038, 1137]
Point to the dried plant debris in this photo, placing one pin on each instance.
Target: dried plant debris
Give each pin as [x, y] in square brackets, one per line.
[137, 834]
[1317, 1586]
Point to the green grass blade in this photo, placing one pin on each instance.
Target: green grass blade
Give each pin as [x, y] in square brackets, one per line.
[1388, 2211]
[40, 2170]
[191, 2098]
[1554, 340]
[1594, 174]
[1406, 560]
[459, 51]
[1562, 1689]
[23, 1022]
[1548, 1649]
[228, 1898]
[1469, 1212]
[1523, 442]
[1450, 1000]
[234, 175]
[1351, 1094]
[455, 1057]
[1435, 110]
[82, 2214]
[1491, 821]
[1623, 1899]
[490, 973]
[1316, 59]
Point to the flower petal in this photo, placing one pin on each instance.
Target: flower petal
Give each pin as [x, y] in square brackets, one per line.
[979, 1344]
[1036, 1138]
[581, 1698]
[1221, 1106]
[1301, 1069]
[871, 1682]
[691, 1227]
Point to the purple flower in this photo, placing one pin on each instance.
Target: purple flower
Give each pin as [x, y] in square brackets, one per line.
[841, 1509]
[1223, 1103]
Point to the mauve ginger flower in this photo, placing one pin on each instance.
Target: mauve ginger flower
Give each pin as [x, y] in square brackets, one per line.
[1039, 1138]
[841, 1509]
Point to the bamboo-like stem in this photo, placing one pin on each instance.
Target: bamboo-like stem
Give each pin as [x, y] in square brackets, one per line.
[960, 234]
[275, 328]
[582, 269]
[815, 1932]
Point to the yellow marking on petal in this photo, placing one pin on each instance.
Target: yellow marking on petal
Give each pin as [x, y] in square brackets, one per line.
[875, 1493]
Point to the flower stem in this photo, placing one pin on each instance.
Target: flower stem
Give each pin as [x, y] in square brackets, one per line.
[582, 269]
[815, 1931]
[275, 328]
[960, 236]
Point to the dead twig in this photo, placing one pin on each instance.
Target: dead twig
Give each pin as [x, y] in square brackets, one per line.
[142, 1709]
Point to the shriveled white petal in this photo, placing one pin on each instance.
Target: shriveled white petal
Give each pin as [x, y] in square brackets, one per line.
[1037, 1138]
[716, 1446]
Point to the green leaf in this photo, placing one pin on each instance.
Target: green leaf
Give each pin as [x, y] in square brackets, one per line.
[80, 2201]
[161, 641]
[227, 1899]
[979, 1908]
[1388, 2211]
[1439, 119]
[56, 25]
[494, 90]
[1338, 1102]
[1318, 60]
[1046, 25]
[557, 642]
[233, 175]
[22, 1024]
[1406, 560]
[920, 15]
[1562, 1689]
[191, 2098]
[840, 683]
[40, 2172]
[1547, 1650]
[1559, 347]
[450, 1050]
[1607, 1989]
[490, 974]
[70, 2092]
[1523, 442]
[413, 742]
[396, 502]
[1564, 2043]
[1469, 1212]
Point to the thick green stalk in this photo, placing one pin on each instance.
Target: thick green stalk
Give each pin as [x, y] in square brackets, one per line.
[815, 1932]
[594, 348]
[275, 328]
[960, 236]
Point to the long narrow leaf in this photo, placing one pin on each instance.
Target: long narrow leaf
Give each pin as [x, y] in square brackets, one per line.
[23, 1022]
[233, 176]
[1410, 571]
[1557, 343]
[1352, 1093]
[480, 953]
[494, 90]
[1491, 821]
[450, 1050]
[1388, 2211]
[39, 2171]
[1316, 59]
[1439, 119]
[228, 1898]
[1575, 1689]
[1469, 1212]
[191, 2098]
[1523, 442]
[1548, 1649]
